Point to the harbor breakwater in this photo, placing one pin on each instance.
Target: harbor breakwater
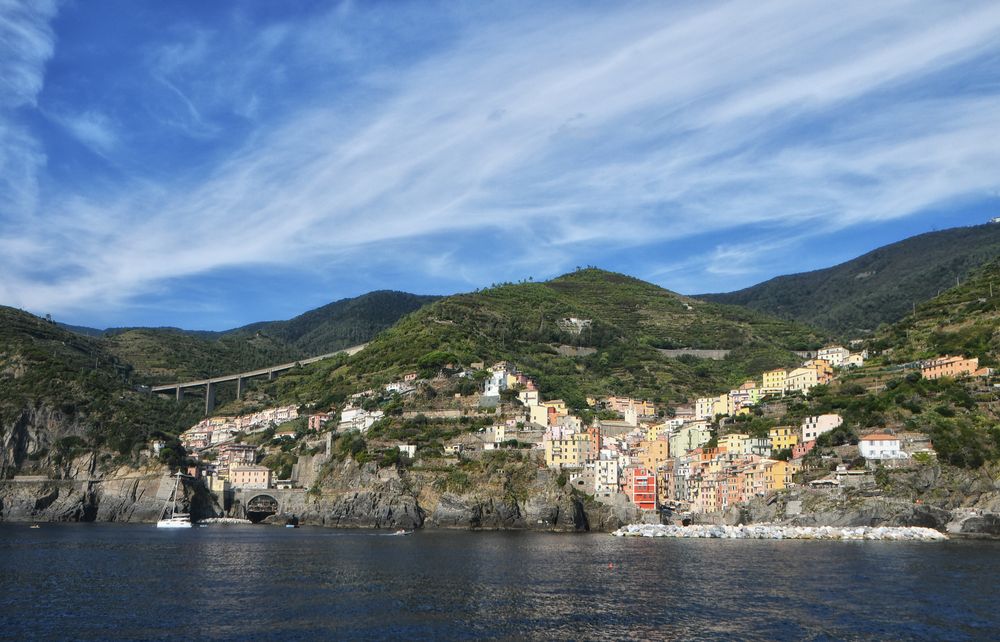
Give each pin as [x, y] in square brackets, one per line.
[775, 531]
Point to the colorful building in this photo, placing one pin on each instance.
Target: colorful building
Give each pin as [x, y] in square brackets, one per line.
[948, 366]
[253, 477]
[566, 450]
[773, 382]
[783, 437]
[653, 453]
[640, 487]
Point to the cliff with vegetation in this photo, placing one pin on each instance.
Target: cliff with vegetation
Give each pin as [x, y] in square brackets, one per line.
[63, 395]
[500, 490]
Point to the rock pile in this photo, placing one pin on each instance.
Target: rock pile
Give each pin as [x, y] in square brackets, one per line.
[774, 531]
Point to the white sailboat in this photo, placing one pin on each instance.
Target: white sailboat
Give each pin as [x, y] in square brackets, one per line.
[168, 517]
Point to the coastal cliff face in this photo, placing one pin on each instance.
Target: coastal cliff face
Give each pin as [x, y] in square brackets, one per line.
[364, 496]
[28, 442]
[86, 494]
[960, 502]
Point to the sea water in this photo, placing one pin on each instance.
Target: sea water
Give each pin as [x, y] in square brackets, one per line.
[111, 581]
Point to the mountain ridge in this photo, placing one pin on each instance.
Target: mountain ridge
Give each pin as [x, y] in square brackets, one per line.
[881, 286]
[623, 324]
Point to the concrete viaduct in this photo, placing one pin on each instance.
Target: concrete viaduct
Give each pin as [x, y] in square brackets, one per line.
[241, 377]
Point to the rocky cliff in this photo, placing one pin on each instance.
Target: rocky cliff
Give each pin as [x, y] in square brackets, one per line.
[364, 496]
[30, 441]
[124, 494]
[945, 498]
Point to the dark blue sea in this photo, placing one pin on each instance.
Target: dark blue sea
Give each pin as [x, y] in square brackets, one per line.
[108, 581]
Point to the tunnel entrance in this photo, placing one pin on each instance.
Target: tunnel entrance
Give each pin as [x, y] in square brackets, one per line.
[261, 507]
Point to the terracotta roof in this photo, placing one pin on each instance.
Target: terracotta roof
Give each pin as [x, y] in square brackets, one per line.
[880, 437]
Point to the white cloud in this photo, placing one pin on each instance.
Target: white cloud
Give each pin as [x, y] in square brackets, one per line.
[613, 129]
[93, 129]
[26, 44]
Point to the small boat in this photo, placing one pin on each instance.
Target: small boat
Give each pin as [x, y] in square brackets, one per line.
[403, 531]
[34, 526]
[169, 518]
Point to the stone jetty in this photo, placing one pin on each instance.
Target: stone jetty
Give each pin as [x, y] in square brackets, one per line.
[224, 520]
[775, 531]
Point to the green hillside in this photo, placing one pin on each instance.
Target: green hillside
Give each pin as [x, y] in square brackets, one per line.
[962, 320]
[340, 324]
[161, 355]
[960, 415]
[61, 393]
[855, 297]
[630, 321]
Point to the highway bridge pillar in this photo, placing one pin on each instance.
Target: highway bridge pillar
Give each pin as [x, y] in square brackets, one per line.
[270, 375]
[239, 387]
[209, 397]
[179, 393]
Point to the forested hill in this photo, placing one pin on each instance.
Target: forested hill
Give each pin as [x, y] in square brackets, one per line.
[963, 320]
[340, 324]
[855, 297]
[625, 323]
[160, 355]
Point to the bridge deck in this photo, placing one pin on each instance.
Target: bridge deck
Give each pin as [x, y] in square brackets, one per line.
[260, 372]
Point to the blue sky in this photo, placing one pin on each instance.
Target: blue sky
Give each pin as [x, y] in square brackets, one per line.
[209, 164]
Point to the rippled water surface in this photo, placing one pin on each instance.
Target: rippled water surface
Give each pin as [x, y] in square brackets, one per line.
[104, 581]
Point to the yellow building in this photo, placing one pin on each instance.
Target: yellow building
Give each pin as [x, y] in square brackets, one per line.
[539, 415]
[571, 451]
[774, 382]
[774, 473]
[779, 474]
[704, 408]
[558, 404]
[783, 437]
[654, 453]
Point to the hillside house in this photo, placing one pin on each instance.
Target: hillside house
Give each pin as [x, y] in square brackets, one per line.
[881, 446]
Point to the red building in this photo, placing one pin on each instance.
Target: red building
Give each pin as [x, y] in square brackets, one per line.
[640, 487]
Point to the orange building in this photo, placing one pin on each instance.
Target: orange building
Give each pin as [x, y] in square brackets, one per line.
[653, 453]
[948, 366]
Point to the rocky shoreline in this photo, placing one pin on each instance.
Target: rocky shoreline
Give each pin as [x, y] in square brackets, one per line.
[777, 531]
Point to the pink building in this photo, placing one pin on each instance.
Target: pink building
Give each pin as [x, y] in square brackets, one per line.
[799, 450]
[317, 421]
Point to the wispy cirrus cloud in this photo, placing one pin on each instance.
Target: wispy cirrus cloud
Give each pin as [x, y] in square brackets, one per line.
[545, 137]
[26, 44]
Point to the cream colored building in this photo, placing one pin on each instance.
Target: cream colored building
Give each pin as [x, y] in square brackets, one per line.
[253, 477]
